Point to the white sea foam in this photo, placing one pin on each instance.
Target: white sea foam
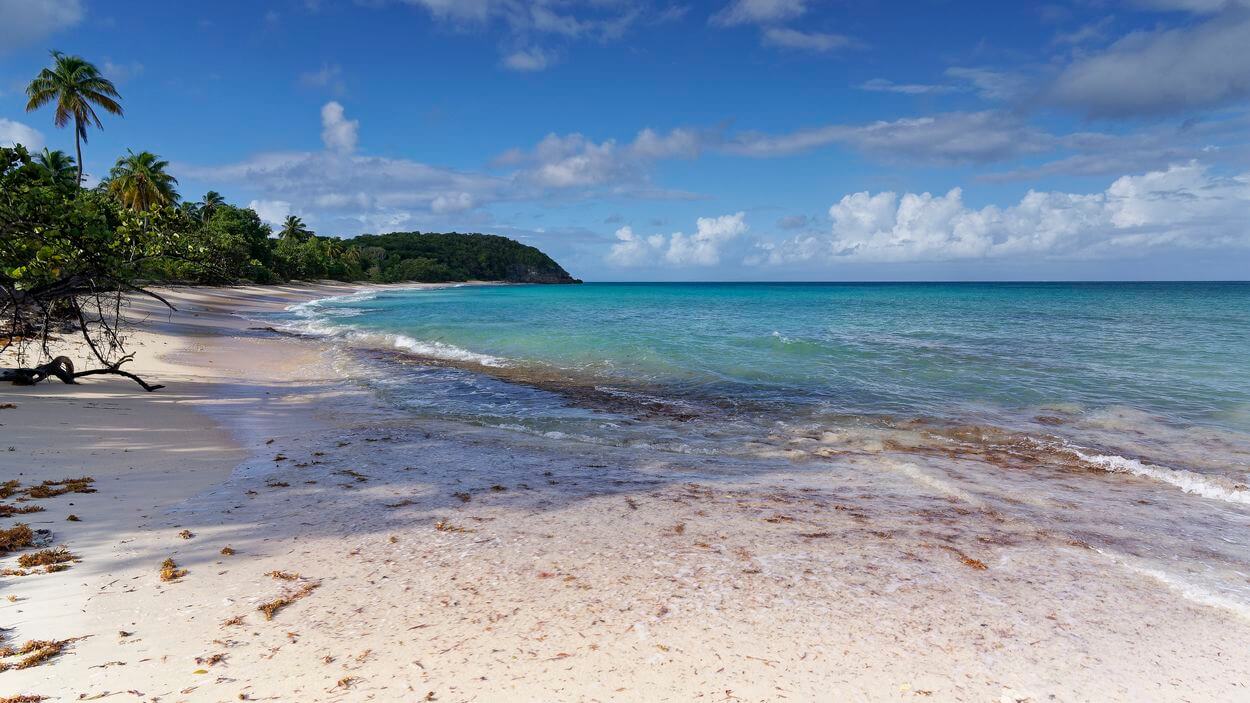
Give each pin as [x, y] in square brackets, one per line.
[1189, 591]
[314, 318]
[1214, 487]
[442, 350]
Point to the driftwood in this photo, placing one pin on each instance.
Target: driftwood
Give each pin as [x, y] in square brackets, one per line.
[63, 368]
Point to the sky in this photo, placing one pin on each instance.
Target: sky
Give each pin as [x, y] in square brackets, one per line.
[718, 140]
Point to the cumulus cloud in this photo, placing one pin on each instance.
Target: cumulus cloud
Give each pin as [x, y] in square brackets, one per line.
[805, 41]
[1184, 206]
[1162, 72]
[337, 132]
[574, 161]
[27, 22]
[273, 212]
[759, 12]
[17, 133]
[341, 187]
[702, 248]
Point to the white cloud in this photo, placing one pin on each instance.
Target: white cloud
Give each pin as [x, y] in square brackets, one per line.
[528, 60]
[1195, 6]
[1162, 72]
[17, 133]
[805, 41]
[121, 72]
[564, 20]
[25, 22]
[328, 77]
[759, 11]
[632, 250]
[271, 211]
[703, 248]
[1180, 207]
[574, 161]
[991, 85]
[337, 132]
[452, 202]
[881, 85]
[949, 138]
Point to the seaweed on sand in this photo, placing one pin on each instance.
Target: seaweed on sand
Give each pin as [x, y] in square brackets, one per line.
[46, 557]
[272, 607]
[51, 489]
[170, 570]
[33, 653]
[7, 510]
[445, 526]
[20, 536]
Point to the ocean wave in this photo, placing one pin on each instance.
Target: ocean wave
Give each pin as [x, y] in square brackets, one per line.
[1214, 487]
[309, 306]
[442, 350]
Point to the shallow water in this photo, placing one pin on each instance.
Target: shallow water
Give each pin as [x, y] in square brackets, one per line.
[1110, 417]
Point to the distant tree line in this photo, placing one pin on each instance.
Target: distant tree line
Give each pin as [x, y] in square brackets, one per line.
[68, 254]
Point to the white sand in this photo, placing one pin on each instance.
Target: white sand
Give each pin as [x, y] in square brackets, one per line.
[587, 577]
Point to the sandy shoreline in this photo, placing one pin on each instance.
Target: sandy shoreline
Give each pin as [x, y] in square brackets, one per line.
[447, 563]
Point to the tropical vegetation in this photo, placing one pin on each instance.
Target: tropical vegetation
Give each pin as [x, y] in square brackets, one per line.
[68, 253]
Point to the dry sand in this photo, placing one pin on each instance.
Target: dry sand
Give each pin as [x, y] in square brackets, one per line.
[447, 563]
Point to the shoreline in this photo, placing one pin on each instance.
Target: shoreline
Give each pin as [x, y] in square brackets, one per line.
[477, 564]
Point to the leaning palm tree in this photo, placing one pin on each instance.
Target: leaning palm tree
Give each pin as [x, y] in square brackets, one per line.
[140, 181]
[294, 228]
[209, 204]
[76, 86]
[60, 164]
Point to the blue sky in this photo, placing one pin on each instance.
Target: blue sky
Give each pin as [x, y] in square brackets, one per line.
[736, 139]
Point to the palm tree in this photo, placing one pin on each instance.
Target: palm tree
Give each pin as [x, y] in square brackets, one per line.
[294, 228]
[60, 164]
[140, 182]
[76, 86]
[212, 200]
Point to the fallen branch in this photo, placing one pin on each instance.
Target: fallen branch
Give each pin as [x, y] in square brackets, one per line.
[63, 368]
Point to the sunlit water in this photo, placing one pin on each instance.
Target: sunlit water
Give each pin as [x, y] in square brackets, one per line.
[1062, 402]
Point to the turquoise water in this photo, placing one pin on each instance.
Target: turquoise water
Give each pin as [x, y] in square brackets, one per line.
[1155, 372]
[1115, 416]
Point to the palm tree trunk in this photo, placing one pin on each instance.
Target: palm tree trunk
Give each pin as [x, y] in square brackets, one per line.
[78, 147]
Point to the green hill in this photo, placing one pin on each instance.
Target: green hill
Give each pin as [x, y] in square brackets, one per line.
[435, 257]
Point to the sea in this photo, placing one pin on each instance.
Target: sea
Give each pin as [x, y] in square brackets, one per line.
[1116, 415]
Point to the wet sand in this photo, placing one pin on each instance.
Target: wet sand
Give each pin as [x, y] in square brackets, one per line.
[436, 561]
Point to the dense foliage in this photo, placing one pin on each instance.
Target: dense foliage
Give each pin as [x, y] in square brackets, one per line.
[53, 228]
[413, 256]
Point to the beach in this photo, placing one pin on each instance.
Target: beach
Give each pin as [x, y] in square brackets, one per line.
[405, 559]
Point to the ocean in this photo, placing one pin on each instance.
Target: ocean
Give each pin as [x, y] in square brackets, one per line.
[1116, 415]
